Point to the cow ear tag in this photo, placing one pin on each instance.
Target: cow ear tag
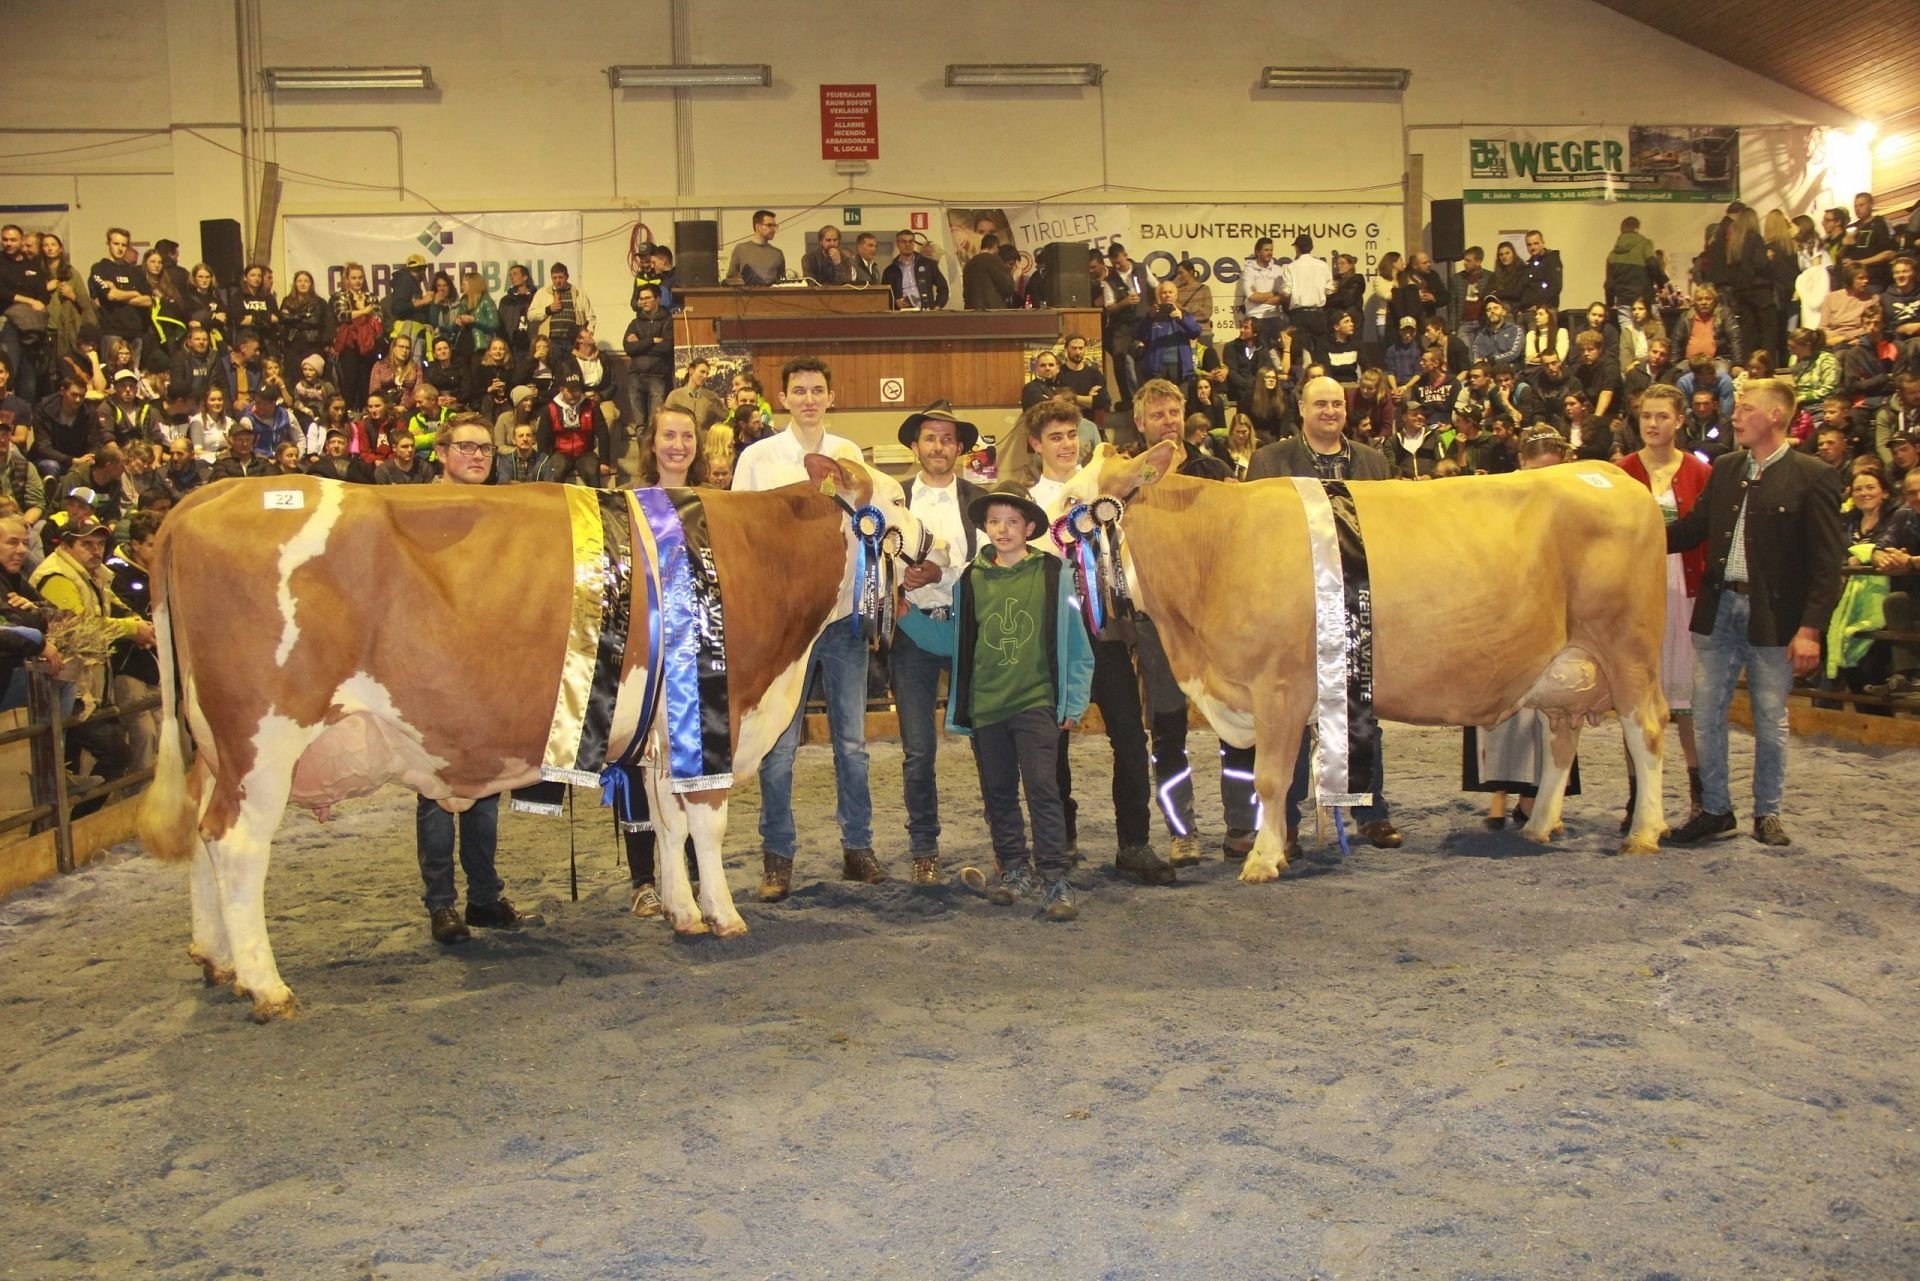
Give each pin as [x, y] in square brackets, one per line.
[1149, 474]
[828, 488]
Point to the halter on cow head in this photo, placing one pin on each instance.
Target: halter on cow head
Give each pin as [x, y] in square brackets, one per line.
[1087, 530]
[883, 532]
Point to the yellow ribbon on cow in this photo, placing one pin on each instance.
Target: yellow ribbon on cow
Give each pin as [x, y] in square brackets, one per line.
[583, 637]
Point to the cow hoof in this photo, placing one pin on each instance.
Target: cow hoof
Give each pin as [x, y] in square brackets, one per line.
[696, 928]
[1640, 845]
[212, 973]
[723, 929]
[1254, 873]
[1542, 835]
[265, 1011]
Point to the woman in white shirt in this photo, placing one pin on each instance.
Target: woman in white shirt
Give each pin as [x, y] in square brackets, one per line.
[207, 430]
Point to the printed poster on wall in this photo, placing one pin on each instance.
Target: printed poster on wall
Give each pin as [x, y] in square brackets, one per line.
[1218, 238]
[1673, 163]
[488, 243]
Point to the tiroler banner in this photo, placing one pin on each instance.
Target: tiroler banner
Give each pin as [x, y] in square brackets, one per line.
[1668, 163]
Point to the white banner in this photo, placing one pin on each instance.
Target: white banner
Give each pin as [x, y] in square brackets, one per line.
[488, 243]
[1218, 238]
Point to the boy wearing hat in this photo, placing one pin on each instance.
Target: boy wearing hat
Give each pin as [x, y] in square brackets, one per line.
[1022, 668]
[922, 645]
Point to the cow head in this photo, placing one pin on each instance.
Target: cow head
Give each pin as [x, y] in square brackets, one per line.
[856, 486]
[1110, 474]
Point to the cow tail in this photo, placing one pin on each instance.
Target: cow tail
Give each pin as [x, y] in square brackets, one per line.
[168, 818]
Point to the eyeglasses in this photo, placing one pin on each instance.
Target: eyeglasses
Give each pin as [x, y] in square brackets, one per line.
[472, 448]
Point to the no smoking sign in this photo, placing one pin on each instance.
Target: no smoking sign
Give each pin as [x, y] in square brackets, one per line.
[893, 391]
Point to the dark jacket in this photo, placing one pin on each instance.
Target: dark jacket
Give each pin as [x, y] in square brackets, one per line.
[648, 343]
[507, 469]
[817, 267]
[1794, 543]
[58, 442]
[16, 649]
[1244, 360]
[351, 469]
[227, 466]
[513, 321]
[134, 585]
[986, 284]
[1294, 457]
[1544, 278]
[931, 285]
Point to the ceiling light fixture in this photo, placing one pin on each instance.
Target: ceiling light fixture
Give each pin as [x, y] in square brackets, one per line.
[345, 79]
[1393, 79]
[745, 75]
[1022, 74]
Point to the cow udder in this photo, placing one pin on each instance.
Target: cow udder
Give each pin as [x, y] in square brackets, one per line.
[356, 756]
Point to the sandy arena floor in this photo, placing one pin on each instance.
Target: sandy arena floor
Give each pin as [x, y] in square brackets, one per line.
[1464, 1059]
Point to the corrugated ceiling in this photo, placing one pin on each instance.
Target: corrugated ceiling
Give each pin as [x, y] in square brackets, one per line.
[1863, 57]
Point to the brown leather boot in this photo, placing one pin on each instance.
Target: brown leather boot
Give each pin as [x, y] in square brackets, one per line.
[862, 866]
[776, 877]
[926, 871]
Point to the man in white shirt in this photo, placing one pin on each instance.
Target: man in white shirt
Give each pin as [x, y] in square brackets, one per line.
[1052, 435]
[1306, 282]
[806, 390]
[1260, 282]
[923, 643]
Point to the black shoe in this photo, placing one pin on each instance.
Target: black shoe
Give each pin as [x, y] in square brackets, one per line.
[1768, 830]
[447, 927]
[1238, 844]
[860, 865]
[1138, 863]
[1700, 826]
[497, 915]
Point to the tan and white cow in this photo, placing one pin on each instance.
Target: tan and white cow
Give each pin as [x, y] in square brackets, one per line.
[330, 638]
[1541, 589]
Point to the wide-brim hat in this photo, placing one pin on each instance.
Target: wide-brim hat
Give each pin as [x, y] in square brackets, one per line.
[1007, 491]
[940, 411]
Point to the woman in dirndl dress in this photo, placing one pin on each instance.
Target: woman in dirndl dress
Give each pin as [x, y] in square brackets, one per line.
[1677, 479]
[1508, 757]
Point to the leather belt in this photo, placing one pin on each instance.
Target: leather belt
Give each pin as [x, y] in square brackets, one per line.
[1739, 589]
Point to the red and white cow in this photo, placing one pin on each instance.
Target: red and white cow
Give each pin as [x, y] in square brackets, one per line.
[330, 638]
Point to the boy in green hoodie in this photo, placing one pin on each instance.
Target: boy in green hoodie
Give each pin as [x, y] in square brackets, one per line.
[1022, 672]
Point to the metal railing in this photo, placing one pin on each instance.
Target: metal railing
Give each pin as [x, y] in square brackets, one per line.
[53, 801]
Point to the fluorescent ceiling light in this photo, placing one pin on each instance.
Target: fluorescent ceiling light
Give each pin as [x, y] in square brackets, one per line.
[756, 75]
[1000, 75]
[1390, 78]
[285, 79]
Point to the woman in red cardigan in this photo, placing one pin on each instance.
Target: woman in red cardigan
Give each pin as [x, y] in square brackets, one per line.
[1677, 480]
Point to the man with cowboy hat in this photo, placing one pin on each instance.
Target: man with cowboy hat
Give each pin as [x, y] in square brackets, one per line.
[943, 500]
[407, 302]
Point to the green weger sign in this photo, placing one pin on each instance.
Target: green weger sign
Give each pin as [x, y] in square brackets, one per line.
[1634, 162]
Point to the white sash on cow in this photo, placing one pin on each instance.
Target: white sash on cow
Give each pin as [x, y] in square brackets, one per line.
[1333, 782]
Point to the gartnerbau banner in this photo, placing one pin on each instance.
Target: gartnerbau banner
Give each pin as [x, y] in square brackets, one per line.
[454, 243]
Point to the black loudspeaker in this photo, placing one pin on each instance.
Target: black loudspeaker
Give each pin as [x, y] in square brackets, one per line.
[1065, 279]
[1449, 230]
[221, 249]
[696, 252]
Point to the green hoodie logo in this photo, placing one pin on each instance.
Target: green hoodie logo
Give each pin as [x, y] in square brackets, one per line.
[1008, 629]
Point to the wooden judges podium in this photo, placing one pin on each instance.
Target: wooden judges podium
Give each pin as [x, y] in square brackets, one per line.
[966, 357]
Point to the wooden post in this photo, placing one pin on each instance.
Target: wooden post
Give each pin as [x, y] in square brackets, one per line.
[1413, 214]
[49, 759]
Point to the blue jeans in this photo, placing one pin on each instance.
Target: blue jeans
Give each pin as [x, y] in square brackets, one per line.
[1362, 814]
[914, 674]
[1717, 661]
[479, 835]
[841, 656]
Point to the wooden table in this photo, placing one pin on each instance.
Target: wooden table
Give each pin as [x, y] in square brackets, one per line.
[971, 358]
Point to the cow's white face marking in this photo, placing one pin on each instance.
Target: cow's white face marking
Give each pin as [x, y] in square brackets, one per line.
[298, 550]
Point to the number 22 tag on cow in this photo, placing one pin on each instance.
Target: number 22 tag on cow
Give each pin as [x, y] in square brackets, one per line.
[286, 500]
